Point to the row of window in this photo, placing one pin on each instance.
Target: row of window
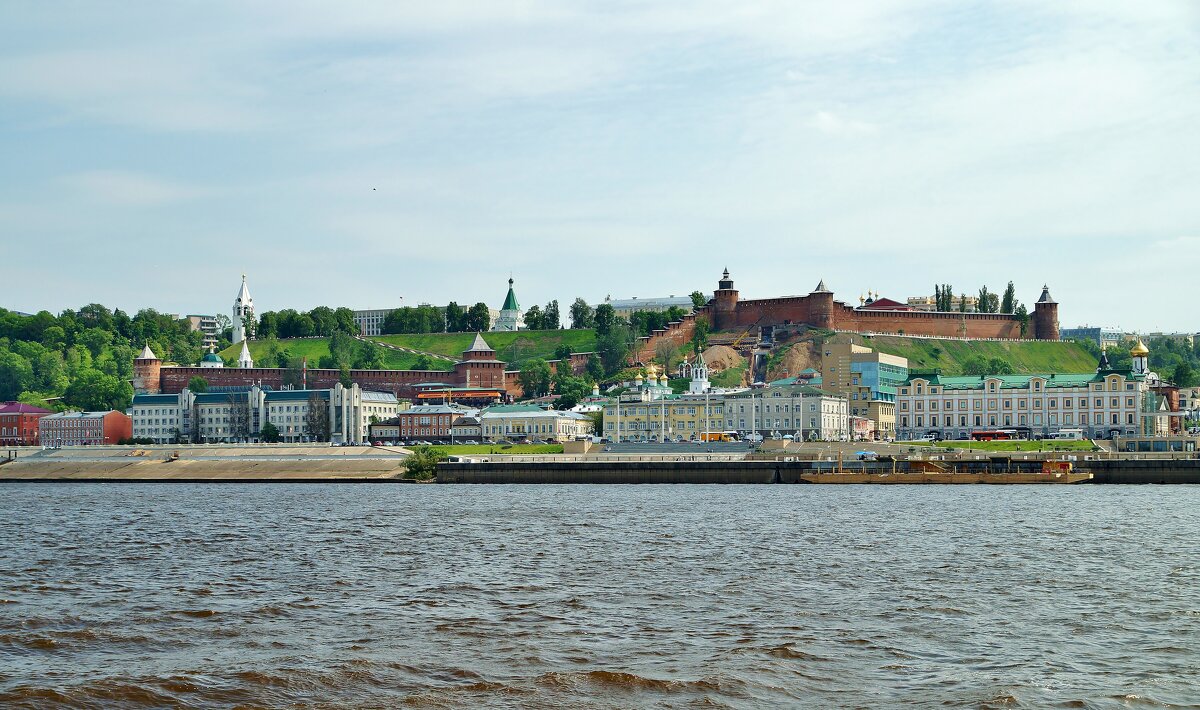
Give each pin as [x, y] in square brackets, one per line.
[977, 404]
[1022, 420]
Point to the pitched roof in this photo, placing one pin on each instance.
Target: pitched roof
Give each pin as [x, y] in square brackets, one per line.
[244, 294]
[147, 353]
[21, 408]
[510, 301]
[821, 288]
[480, 345]
[1046, 297]
[1055, 380]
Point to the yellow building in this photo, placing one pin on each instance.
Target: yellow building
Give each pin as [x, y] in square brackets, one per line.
[672, 418]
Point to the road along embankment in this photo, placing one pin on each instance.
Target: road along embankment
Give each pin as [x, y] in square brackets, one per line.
[205, 470]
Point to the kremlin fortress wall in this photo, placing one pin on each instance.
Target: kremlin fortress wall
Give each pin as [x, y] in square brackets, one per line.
[725, 311]
[479, 367]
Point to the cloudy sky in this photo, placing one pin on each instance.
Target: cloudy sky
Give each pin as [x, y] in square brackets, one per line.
[360, 153]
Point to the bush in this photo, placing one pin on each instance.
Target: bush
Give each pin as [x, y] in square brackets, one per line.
[421, 465]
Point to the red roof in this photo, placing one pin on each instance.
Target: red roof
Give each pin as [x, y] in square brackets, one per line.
[21, 408]
[887, 304]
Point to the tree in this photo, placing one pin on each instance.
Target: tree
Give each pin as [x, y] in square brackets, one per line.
[595, 368]
[198, 385]
[268, 325]
[988, 301]
[369, 357]
[239, 417]
[455, 318]
[95, 391]
[1184, 375]
[962, 303]
[550, 317]
[16, 375]
[1009, 303]
[700, 334]
[344, 318]
[342, 349]
[479, 318]
[943, 297]
[570, 389]
[269, 433]
[535, 378]
[534, 319]
[664, 352]
[582, 315]
[316, 419]
[613, 347]
[422, 363]
[699, 300]
[324, 322]
[605, 318]
[95, 340]
[1022, 314]
[421, 464]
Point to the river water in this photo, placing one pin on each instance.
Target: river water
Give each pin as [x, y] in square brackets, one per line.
[313, 595]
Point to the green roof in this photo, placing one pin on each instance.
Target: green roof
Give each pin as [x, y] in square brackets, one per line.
[513, 408]
[510, 301]
[1008, 382]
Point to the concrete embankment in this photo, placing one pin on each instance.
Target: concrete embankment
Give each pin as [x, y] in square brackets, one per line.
[1145, 471]
[612, 472]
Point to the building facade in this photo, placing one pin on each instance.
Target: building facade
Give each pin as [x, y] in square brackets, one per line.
[431, 421]
[1103, 336]
[803, 412]
[519, 421]
[337, 415]
[84, 428]
[1110, 402]
[19, 423]
[370, 321]
[625, 307]
[207, 325]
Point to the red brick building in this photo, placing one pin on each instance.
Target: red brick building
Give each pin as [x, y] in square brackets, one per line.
[19, 423]
[430, 421]
[85, 428]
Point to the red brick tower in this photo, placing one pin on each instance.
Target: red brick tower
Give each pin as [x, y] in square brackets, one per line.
[725, 300]
[147, 372]
[820, 309]
[1045, 317]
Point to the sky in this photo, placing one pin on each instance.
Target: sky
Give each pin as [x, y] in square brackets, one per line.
[378, 154]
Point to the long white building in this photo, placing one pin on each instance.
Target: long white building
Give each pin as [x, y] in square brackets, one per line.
[1103, 404]
[239, 414]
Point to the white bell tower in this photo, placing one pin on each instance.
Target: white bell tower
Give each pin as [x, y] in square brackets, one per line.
[243, 308]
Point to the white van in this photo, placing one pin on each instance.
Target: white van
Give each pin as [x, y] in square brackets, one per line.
[1067, 435]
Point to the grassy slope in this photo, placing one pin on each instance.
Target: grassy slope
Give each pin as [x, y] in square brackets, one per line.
[1025, 357]
[513, 348]
[315, 348]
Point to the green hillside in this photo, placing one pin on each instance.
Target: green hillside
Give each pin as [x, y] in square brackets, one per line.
[512, 348]
[948, 355]
[316, 348]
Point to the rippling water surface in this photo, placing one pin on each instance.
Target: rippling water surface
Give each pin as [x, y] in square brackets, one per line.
[598, 596]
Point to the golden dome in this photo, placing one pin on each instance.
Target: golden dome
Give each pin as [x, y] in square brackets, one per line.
[1139, 350]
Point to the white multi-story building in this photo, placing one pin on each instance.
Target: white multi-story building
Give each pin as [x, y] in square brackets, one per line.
[1102, 404]
[625, 307]
[801, 411]
[370, 322]
[519, 421]
[208, 326]
[240, 414]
